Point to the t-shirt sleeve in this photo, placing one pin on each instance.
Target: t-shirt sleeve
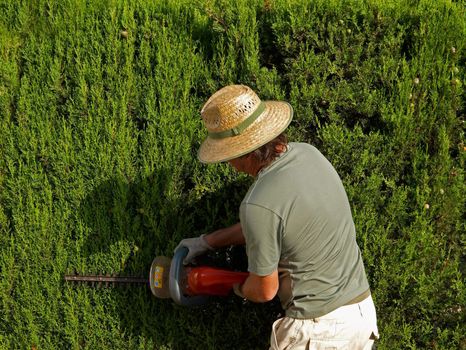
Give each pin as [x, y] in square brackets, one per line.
[262, 230]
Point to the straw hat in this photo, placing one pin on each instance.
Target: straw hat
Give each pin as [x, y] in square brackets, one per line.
[238, 122]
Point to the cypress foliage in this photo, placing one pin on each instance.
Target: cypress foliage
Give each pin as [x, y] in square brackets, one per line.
[99, 129]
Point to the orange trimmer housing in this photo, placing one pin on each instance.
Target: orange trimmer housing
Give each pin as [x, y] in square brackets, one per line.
[212, 281]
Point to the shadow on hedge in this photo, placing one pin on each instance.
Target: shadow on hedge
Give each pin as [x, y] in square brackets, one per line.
[129, 223]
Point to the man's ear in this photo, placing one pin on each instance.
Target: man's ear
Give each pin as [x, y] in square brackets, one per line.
[280, 148]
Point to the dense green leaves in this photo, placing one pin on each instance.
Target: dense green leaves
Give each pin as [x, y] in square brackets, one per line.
[99, 129]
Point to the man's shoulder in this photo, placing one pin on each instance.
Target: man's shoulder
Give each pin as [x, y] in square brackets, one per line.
[303, 147]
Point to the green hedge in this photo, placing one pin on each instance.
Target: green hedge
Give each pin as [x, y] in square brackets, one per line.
[99, 129]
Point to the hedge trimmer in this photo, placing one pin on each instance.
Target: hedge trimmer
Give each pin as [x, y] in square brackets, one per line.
[169, 278]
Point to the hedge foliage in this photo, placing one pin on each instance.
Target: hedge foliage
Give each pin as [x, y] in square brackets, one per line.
[100, 125]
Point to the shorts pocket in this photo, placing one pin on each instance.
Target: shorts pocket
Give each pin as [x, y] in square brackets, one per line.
[324, 329]
[285, 332]
[273, 336]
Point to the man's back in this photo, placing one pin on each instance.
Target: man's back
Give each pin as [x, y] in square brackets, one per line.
[296, 217]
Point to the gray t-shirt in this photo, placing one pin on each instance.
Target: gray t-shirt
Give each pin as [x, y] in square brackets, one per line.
[296, 218]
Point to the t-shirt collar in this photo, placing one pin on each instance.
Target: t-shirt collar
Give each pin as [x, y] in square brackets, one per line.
[265, 170]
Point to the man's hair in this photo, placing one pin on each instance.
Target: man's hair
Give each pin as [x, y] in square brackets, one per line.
[267, 153]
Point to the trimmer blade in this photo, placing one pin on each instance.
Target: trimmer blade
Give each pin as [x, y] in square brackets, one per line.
[159, 277]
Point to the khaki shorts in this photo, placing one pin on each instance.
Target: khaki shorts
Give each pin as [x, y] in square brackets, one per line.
[349, 327]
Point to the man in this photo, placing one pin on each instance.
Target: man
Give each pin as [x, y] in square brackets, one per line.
[296, 223]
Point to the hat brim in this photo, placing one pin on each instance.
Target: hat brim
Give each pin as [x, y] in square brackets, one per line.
[271, 123]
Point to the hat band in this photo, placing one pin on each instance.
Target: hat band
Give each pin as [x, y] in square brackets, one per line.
[238, 129]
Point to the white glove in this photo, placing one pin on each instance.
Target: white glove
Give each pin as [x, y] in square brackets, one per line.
[196, 246]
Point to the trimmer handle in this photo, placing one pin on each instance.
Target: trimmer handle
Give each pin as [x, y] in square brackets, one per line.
[178, 278]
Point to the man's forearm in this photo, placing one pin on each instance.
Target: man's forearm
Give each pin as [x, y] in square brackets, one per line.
[260, 289]
[232, 235]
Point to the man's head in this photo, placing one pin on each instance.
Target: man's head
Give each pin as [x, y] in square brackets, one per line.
[239, 124]
[260, 158]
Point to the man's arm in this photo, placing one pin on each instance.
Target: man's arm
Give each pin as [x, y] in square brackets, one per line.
[225, 237]
[232, 235]
[259, 289]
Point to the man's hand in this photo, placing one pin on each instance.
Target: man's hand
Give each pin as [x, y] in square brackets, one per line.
[196, 246]
[237, 290]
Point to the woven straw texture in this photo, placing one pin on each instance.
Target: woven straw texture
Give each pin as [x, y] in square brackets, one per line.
[228, 108]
